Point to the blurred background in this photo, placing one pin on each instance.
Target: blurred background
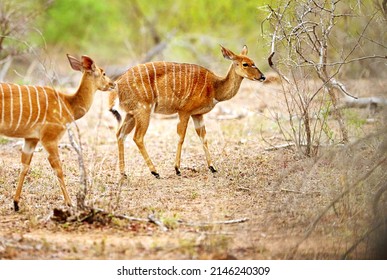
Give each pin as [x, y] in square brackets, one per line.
[122, 33]
[36, 35]
[280, 144]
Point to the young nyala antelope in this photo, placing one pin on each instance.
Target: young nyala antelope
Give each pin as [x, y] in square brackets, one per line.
[167, 88]
[40, 114]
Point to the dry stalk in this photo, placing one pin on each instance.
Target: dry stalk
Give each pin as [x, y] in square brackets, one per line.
[305, 32]
[228, 222]
[82, 192]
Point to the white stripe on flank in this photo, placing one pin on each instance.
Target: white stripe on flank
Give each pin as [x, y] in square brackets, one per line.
[167, 97]
[190, 83]
[29, 105]
[2, 104]
[204, 85]
[134, 81]
[130, 88]
[197, 71]
[11, 106]
[37, 105]
[174, 85]
[142, 81]
[166, 81]
[149, 81]
[21, 108]
[185, 78]
[180, 73]
[45, 113]
[155, 82]
[59, 103]
[186, 88]
[174, 78]
[192, 79]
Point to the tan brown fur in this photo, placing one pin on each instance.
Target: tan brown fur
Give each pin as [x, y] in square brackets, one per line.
[167, 88]
[40, 114]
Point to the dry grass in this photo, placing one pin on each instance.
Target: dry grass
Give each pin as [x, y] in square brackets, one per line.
[280, 192]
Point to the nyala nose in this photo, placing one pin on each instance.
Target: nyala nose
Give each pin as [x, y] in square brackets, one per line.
[262, 78]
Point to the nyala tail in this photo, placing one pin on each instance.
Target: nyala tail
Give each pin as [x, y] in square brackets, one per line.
[113, 98]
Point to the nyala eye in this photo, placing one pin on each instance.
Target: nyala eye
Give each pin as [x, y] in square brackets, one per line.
[245, 64]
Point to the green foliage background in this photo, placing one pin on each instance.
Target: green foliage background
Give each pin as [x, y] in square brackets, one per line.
[123, 31]
[128, 28]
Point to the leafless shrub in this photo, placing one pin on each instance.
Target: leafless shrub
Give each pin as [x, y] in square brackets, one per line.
[309, 50]
[16, 22]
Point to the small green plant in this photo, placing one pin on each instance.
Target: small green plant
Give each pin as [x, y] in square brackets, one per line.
[355, 121]
[171, 222]
[4, 141]
[194, 195]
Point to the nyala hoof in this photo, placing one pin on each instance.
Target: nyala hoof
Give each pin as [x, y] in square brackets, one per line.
[157, 175]
[212, 169]
[16, 206]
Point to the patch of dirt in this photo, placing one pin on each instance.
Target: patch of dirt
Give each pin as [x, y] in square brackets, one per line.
[279, 192]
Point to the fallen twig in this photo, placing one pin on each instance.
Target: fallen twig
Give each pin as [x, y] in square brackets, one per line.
[281, 146]
[300, 192]
[153, 219]
[292, 191]
[91, 215]
[228, 222]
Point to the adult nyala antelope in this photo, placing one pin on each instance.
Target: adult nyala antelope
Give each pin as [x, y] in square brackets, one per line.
[166, 87]
[38, 113]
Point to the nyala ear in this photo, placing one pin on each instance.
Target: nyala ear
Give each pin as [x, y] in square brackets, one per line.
[227, 53]
[88, 63]
[244, 50]
[75, 63]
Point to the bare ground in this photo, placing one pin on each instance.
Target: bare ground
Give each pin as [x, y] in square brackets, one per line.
[278, 193]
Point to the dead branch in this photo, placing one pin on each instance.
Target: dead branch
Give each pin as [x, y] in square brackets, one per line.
[299, 192]
[228, 222]
[95, 215]
[272, 66]
[366, 102]
[340, 86]
[292, 144]
[158, 48]
[282, 146]
[357, 59]
[131, 219]
[115, 72]
[81, 194]
[152, 218]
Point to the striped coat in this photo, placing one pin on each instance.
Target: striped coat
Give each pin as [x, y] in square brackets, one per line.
[25, 108]
[168, 87]
[40, 114]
